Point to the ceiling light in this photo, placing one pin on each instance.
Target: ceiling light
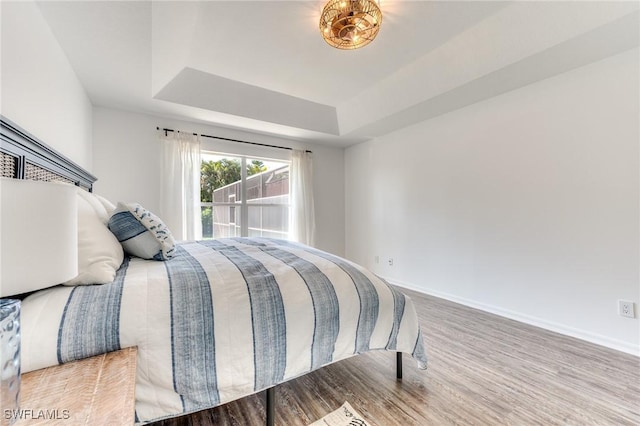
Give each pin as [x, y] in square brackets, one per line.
[350, 24]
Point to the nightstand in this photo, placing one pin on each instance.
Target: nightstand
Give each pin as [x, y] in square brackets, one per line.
[94, 391]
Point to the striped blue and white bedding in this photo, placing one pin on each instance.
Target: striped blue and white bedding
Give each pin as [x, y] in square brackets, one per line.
[221, 320]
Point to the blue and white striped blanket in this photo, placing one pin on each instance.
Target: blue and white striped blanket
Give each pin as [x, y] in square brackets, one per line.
[221, 320]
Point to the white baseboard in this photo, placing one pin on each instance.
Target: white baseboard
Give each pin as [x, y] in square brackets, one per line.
[527, 319]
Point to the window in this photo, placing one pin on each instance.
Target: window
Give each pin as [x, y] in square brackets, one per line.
[243, 196]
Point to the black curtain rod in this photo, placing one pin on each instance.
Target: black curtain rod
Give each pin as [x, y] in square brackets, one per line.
[234, 140]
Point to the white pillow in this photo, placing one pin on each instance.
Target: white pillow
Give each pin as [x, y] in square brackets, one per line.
[141, 232]
[96, 204]
[99, 252]
[108, 205]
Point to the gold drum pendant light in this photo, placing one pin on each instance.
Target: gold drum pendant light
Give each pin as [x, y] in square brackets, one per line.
[350, 24]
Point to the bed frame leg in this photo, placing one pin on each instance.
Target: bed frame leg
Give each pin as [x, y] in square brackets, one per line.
[399, 365]
[271, 401]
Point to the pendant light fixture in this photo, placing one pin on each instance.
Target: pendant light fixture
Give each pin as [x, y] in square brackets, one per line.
[350, 24]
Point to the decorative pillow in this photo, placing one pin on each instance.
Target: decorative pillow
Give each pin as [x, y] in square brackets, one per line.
[99, 252]
[141, 232]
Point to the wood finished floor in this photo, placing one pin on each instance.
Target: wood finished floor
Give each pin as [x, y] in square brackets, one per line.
[483, 370]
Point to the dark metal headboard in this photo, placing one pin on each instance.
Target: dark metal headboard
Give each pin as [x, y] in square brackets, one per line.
[23, 156]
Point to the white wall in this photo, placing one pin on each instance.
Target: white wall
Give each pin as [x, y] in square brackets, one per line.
[526, 204]
[127, 164]
[40, 91]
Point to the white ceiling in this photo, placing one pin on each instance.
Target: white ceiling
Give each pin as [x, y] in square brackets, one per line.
[263, 66]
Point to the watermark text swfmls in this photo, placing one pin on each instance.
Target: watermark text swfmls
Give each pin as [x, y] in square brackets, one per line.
[27, 414]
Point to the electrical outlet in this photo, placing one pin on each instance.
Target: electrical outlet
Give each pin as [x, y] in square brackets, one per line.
[626, 308]
[376, 259]
[391, 261]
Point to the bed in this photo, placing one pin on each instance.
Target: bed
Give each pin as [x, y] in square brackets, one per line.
[219, 320]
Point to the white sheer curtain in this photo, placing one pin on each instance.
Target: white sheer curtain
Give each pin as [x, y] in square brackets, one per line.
[180, 189]
[302, 224]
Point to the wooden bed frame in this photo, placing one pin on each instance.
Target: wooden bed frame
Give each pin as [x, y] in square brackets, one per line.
[23, 156]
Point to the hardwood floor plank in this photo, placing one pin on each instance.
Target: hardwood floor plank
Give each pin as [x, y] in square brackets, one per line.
[483, 370]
